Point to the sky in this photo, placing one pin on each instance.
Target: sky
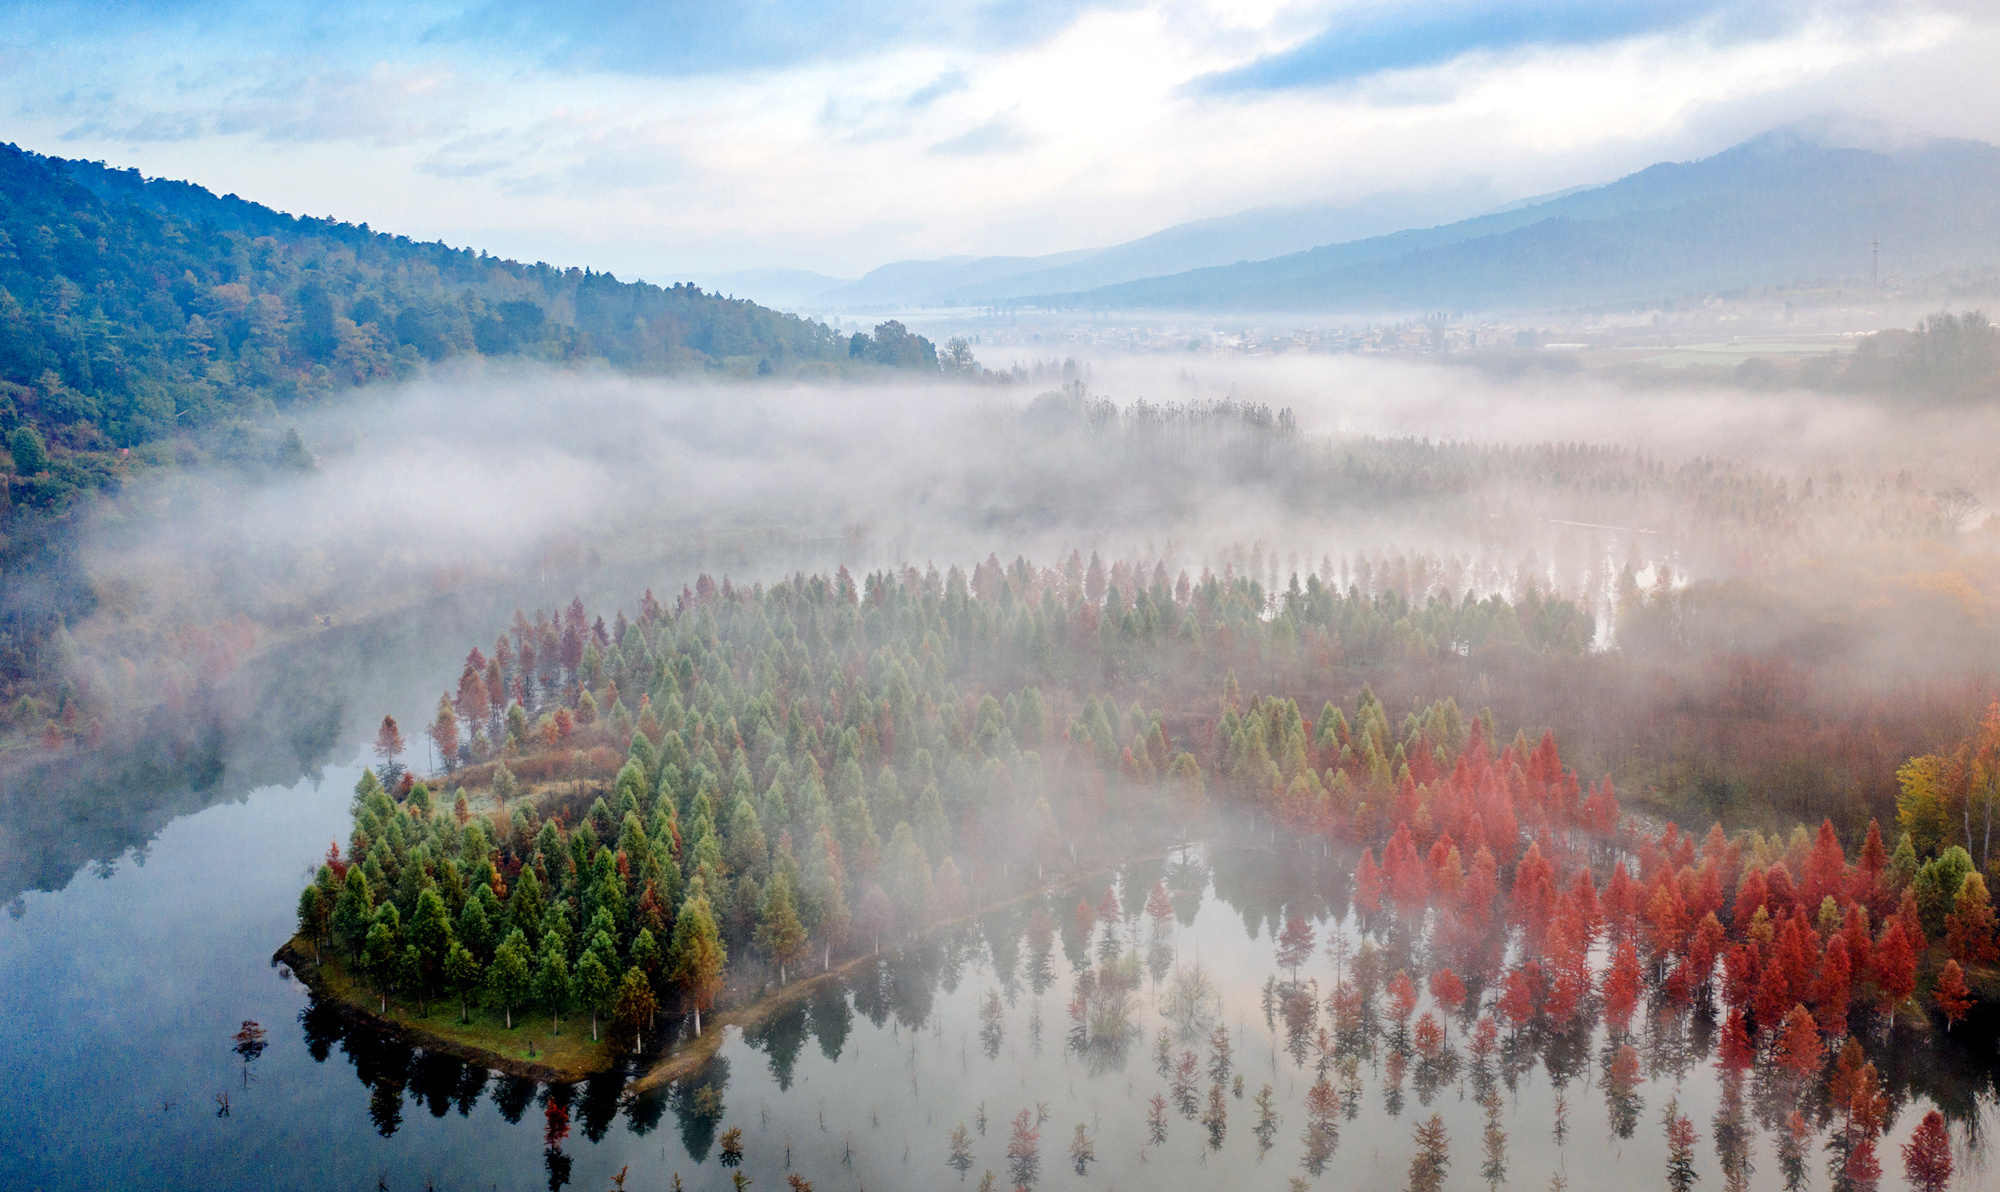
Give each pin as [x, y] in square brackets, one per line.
[679, 139]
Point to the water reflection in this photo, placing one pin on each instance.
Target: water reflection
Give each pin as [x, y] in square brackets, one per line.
[1215, 1011]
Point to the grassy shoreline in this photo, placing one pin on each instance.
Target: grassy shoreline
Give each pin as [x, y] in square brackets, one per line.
[570, 1056]
[530, 1049]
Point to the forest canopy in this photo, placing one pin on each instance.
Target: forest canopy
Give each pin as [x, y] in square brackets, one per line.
[131, 308]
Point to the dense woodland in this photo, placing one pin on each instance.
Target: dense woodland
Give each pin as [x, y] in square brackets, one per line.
[136, 308]
[755, 780]
[147, 323]
[720, 851]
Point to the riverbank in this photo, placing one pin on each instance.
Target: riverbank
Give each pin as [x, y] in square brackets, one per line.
[531, 1049]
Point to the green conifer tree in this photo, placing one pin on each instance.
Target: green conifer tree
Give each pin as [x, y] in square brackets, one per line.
[553, 985]
[511, 976]
[594, 987]
[461, 975]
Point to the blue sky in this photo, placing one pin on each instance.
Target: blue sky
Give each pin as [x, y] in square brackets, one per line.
[687, 139]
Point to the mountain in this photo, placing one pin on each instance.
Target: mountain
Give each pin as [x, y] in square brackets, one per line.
[132, 309]
[1780, 208]
[1245, 235]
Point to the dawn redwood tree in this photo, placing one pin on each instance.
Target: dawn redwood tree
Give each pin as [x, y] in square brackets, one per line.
[1798, 1048]
[1447, 990]
[431, 928]
[461, 975]
[1681, 1139]
[1083, 1148]
[1402, 997]
[389, 746]
[473, 703]
[1024, 1152]
[779, 931]
[1220, 1054]
[1927, 1156]
[635, 1005]
[958, 1140]
[696, 955]
[1738, 1053]
[444, 731]
[1895, 966]
[553, 984]
[1951, 994]
[1622, 985]
[1432, 1158]
[1295, 944]
[354, 914]
[1159, 906]
[594, 987]
[1970, 925]
[1367, 884]
[1832, 987]
[382, 954]
[510, 978]
[312, 918]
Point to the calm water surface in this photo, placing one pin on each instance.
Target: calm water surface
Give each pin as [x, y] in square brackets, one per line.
[121, 991]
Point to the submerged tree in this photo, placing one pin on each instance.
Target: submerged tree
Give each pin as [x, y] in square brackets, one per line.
[1927, 1156]
[1216, 1117]
[1322, 1133]
[1024, 1151]
[1082, 1151]
[1681, 1139]
[959, 1142]
[1295, 944]
[1432, 1158]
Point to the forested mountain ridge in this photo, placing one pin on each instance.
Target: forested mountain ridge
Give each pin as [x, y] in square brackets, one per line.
[134, 307]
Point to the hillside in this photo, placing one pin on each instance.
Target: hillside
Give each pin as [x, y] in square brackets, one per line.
[1773, 210]
[131, 308]
[150, 323]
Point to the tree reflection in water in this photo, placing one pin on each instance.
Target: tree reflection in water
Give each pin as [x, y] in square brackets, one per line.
[1360, 1011]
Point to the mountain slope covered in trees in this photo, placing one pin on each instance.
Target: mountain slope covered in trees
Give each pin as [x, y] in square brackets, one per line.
[131, 308]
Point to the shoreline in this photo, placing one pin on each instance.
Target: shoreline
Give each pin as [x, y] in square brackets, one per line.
[302, 967]
[679, 1058]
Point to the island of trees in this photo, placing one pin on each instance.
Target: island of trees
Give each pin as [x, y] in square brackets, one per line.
[633, 817]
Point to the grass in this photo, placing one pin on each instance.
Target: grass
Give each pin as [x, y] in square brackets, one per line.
[531, 1041]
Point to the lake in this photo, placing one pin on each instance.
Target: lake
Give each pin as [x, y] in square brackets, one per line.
[123, 990]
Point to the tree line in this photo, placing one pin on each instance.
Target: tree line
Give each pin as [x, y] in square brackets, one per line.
[759, 806]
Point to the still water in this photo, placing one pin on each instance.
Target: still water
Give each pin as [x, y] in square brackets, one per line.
[120, 994]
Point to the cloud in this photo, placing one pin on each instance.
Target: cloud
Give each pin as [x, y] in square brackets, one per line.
[143, 128]
[385, 106]
[999, 135]
[1377, 37]
[948, 83]
[685, 38]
